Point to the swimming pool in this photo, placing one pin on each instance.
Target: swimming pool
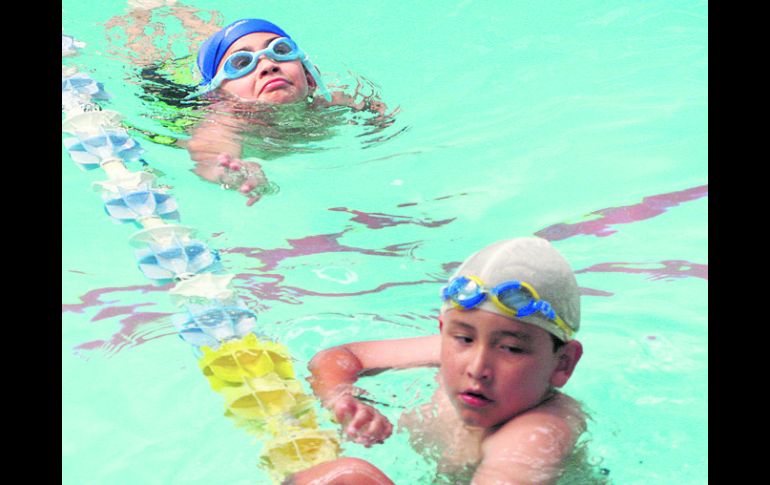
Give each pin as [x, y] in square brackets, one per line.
[583, 123]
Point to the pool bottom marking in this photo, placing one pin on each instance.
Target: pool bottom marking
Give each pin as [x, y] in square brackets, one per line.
[601, 222]
[379, 220]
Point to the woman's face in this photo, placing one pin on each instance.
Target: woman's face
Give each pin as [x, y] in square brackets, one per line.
[271, 81]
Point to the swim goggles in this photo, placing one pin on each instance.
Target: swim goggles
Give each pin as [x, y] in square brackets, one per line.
[514, 298]
[242, 63]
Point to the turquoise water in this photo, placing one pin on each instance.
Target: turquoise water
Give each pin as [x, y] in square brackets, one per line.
[584, 122]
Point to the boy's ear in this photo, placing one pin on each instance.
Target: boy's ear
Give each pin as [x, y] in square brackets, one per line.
[440, 323]
[568, 356]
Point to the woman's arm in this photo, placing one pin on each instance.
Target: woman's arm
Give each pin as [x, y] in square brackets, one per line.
[361, 102]
[214, 135]
[215, 147]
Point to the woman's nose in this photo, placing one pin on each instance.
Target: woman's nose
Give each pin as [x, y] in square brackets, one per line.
[267, 66]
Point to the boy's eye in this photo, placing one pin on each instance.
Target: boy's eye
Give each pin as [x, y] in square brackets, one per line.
[463, 339]
[512, 350]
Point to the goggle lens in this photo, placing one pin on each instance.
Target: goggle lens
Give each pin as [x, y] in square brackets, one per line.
[467, 292]
[241, 63]
[515, 298]
[238, 64]
[283, 48]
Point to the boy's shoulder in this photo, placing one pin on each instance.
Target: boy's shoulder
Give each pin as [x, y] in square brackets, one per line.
[559, 415]
[544, 435]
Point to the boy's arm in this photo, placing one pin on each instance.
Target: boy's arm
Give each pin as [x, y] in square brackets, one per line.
[335, 370]
[342, 471]
[530, 449]
[339, 367]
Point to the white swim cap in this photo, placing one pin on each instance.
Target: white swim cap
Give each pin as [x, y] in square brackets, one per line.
[534, 261]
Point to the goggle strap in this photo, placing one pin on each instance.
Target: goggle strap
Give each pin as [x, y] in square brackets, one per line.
[320, 86]
[530, 289]
[564, 327]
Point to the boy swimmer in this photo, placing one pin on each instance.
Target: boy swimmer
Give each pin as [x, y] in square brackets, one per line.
[505, 345]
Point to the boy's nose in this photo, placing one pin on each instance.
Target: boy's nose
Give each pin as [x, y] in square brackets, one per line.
[479, 368]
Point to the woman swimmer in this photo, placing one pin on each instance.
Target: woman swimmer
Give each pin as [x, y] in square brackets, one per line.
[252, 62]
[247, 68]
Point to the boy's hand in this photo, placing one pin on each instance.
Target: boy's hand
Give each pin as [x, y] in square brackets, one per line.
[361, 422]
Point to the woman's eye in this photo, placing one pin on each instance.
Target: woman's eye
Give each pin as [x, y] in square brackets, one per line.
[463, 339]
[240, 62]
[282, 48]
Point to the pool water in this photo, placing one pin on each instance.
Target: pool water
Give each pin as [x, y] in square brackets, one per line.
[582, 122]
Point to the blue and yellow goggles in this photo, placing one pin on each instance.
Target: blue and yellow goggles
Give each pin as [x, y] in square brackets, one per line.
[514, 298]
[242, 63]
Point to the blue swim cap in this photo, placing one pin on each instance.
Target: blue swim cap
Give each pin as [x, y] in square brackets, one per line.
[214, 48]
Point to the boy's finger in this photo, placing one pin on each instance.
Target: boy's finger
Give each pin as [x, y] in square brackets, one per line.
[363, 415]
[344, 410]
[366, 441]
[379, 429]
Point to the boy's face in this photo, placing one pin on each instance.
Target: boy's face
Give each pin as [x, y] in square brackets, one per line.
[271, 81]
[494, 368]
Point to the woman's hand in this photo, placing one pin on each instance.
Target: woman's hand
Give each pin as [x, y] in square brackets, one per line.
[242, 175]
